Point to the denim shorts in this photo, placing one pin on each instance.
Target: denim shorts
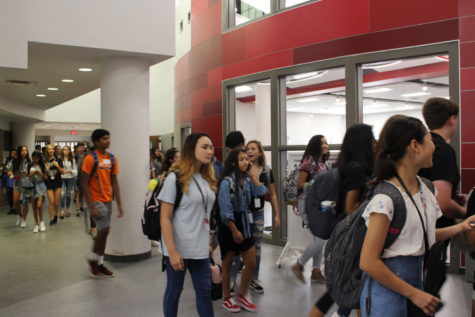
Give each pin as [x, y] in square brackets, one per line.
[105, 210]
[378, 300]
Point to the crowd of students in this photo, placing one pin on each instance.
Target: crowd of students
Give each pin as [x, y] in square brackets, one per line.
[405, 149]
[49, 177]
[205, 203]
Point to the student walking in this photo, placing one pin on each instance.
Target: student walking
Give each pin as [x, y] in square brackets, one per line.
[78, 193]
[313, 161]
[237, 187]
[100, 185]
[185, 227]
[396, 273]
[38, 175]
[355, 165]
[54, 169]
[172, 156]
[68, 178]
[23, 185]
[257, 160]
[9, 179]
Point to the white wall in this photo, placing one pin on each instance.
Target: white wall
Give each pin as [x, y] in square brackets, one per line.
[378, 120]
[302, 126]
[144, 26]
[19, 110]
[86, 108]
[5, 124]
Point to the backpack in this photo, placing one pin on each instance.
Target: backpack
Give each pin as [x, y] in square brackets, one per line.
[215, 213]
[321, 197]
[290, 191]
[151, 214]
[96, 163]
[344, 278]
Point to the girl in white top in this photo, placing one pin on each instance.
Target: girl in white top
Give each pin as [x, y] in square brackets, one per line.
[68, 177]
[395, 274]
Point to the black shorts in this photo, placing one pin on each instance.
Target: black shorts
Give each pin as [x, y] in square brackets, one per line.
[53, 184]
[226, 242]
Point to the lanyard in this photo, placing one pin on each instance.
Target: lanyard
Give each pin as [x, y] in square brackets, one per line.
[205, 201]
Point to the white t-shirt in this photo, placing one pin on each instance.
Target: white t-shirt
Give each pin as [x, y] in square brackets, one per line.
[69, 166]
[410, 241]
[190, 221]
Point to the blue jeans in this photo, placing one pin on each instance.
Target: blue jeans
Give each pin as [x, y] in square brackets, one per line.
[201, 278]
[68, 185]
[257, 228]
[385, 302]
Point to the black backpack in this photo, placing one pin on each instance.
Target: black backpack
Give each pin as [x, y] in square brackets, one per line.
[321, 197]
[151, 214]
[342, 252]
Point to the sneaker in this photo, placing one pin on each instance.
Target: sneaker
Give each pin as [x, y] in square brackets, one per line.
[12, 211]
[93, 233]
[42, 226]
[78, 213]
[230, 305]
[93, 268]
[104, 271]
[36, 229]
[317, 276]
[297, 269]
[23, 224]
[256, 286]
[18, 221]
[233, 288]
[155, 243]
[246, 303]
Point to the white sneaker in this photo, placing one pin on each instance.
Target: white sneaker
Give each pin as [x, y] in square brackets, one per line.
[36, 229]
[155, 243]
[18, 221]
[42, 226]
[23, 224]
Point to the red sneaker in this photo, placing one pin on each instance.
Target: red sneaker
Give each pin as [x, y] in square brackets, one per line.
[246, 303]
[104, 271]
[93, 268]
[230, 305]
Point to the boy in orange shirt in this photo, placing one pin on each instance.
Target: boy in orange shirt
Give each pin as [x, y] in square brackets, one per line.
[100, 185]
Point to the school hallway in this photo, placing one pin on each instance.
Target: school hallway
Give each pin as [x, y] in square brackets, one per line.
[44, 274]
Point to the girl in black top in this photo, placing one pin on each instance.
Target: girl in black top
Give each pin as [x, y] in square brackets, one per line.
[355, 164]
[54, 169]
[21, 166]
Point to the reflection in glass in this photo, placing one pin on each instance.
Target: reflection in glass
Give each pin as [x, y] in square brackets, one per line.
[248, 10]
[253, 108]
[290, 3]
[316, 105]
[401, 87]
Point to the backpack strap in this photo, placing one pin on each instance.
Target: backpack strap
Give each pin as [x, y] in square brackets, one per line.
[179, 191]
[268, 175]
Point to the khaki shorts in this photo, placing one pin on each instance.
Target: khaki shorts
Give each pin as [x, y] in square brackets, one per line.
[105, 210]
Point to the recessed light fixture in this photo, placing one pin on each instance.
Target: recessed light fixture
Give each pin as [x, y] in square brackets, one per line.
[376, 90]
[67, 80]
[53, 88]
[85, 69]
[304, 100]
[424, 87]
[416, 94]
[242, 89]
[40, 95]
[380, 65]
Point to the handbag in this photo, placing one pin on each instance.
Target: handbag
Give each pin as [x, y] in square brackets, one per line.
[216, 283]
[435, 270]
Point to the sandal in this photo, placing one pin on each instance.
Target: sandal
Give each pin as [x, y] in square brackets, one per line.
[67, 214]
[61, 216]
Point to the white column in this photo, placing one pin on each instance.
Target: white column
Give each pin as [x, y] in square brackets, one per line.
[125, 113]
[24, 134]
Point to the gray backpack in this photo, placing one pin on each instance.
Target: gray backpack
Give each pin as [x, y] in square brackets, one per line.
[343, 276]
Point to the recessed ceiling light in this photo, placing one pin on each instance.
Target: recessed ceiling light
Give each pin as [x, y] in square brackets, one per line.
[304, 100]
[67, 80]
[40, 95]
[376, 90]
[380, 65]
[243, 88]
[53, 88]
[416, 94]
[84, 69]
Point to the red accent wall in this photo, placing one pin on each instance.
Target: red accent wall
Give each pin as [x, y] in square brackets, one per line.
[320, 30]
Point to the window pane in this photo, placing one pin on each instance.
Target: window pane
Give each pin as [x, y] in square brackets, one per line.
[248, 10]
[289, 3]
[253, 111]
[401, 87]
[316, 105]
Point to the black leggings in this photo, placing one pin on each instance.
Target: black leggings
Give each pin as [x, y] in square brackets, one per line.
[324, 303]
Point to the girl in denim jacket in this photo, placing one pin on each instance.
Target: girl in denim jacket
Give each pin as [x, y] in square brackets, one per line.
[237, 187]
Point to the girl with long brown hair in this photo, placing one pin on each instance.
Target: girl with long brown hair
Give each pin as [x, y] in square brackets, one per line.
[185, 224]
